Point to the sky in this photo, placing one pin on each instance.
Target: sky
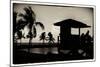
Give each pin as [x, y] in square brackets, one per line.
[49, 15]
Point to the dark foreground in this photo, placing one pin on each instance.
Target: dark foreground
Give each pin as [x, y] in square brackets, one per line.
[23, 57]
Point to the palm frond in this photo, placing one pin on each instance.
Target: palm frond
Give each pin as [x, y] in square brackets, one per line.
[40, 24]
[30, 21]
[33, 13]
[27, 10]
[21, 24]
[24, 16]
[29, 15]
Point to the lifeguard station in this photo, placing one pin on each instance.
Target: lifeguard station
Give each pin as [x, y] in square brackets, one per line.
[67, 40]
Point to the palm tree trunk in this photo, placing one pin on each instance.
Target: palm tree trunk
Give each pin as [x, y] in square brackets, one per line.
[30, 42]
[20, 42]
[43, 41]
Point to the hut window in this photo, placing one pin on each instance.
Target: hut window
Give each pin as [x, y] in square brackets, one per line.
[74, 31]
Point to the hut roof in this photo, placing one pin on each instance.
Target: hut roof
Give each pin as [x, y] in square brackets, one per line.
[71, 23]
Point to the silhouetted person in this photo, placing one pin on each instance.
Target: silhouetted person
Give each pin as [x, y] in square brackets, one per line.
[43, 37]
[50, 38]
[88, 38]
[82, 38]
[87, 44]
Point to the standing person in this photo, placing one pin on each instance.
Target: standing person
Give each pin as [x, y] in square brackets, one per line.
[50, 38]
[43, 36]
[88, 38]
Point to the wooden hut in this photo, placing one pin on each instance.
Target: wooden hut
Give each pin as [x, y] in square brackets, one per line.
[67, 40]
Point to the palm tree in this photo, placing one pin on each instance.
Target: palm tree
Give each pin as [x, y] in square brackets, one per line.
[17, 27]
[30, 21]
[43, 37]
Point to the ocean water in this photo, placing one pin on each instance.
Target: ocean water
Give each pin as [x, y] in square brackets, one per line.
[42, 50]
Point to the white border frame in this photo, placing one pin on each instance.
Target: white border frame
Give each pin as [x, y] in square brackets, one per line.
[51, 4]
